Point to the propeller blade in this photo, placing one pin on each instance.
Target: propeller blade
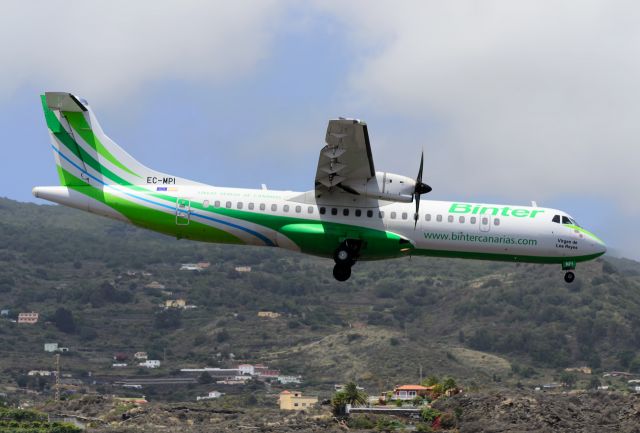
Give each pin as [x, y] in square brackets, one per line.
[417, 214]
[419, 179]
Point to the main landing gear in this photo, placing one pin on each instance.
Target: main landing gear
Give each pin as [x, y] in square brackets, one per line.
[345, 256]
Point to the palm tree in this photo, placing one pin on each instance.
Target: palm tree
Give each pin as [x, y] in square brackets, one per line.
[349, 394]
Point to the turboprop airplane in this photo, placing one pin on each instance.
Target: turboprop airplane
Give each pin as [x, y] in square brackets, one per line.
[353, 213]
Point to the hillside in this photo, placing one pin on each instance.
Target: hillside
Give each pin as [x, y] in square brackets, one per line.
[480, 322]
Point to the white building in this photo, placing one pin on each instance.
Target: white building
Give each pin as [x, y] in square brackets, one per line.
[247, 369]
[210, 396]
[50, 347]
[289, 379]
[119, 365]
[150, 363]
[140, 355]
[40, 373]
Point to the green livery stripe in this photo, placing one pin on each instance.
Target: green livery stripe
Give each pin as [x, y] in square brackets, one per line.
[80, 125]
[154, 219]
[321, 237]
[585, 232]
[501, 257]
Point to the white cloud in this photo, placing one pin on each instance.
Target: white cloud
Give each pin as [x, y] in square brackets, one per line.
[106, 49]
[533, 99]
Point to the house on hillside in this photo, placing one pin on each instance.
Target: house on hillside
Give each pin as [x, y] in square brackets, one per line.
[242, 269]
[268, 314]
[155, 285]
[190, 267]
[140, 356]
[175, 303]
[41, 373]
[29, 318]
[50, 347]
[409, 392]
[212, 395]
[4, 313]
[247, 369]
[150, 363]
[284, 380]
[294, 400]
[120, 356]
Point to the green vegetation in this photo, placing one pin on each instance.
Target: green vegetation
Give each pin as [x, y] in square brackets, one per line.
[350, 394]
[29, 421]
[482, 322]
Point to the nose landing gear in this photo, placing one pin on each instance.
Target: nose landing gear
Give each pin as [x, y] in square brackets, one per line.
[569, 277]
[345, 256]
[569, 266]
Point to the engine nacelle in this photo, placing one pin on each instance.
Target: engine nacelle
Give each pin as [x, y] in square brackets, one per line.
[386, 186]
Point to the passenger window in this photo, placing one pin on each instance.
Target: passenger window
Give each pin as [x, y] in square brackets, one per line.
[427, 217]
[285, 208]
[298, 209]
[239, 205]
[565, 220]
[345, 212]
[393, 215]
[369, 213]
[205, 203]
[404, 215]
[485, 221]
[472, 220]
[381, 214]
[496, 222]
[310, 209]
[439, 218]
[556, 219]
[274, 207]
[334, 211]
[461, 220]
[216, 203]
[262, 206]
[323, 210]
[450, 218]
[358, 212]
[251, 206]
[228, 205]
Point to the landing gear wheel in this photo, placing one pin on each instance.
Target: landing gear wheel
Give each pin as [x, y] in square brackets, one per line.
[569, 277]
[344, 256]
[341, 272]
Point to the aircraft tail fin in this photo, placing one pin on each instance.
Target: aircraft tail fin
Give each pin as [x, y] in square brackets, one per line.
[85, 154]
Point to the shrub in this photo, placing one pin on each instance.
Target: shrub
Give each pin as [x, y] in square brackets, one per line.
[361, 422]
[429, 414]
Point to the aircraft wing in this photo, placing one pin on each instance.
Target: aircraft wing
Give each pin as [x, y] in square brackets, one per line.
[346, 156]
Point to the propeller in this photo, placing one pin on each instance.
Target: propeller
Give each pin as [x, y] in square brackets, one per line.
[421, 188]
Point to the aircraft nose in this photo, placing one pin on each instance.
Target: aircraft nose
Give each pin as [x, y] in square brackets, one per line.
[599, 247]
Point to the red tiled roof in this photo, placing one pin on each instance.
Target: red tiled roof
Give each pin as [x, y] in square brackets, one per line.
[412, 388]
[285, 392]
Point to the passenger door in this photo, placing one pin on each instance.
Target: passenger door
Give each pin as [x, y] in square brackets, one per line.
[183, 211]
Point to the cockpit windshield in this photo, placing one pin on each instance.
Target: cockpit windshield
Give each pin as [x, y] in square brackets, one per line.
[567, 220]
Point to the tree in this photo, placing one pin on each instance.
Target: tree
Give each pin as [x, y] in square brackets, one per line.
[63, 319]
[449, 383]
[594, 383]
[205, 378]
[567, 378]
[430, 381]
[168, 319]
[350, 394]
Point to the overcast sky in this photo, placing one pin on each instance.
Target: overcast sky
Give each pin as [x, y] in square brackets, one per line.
[512, 101]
